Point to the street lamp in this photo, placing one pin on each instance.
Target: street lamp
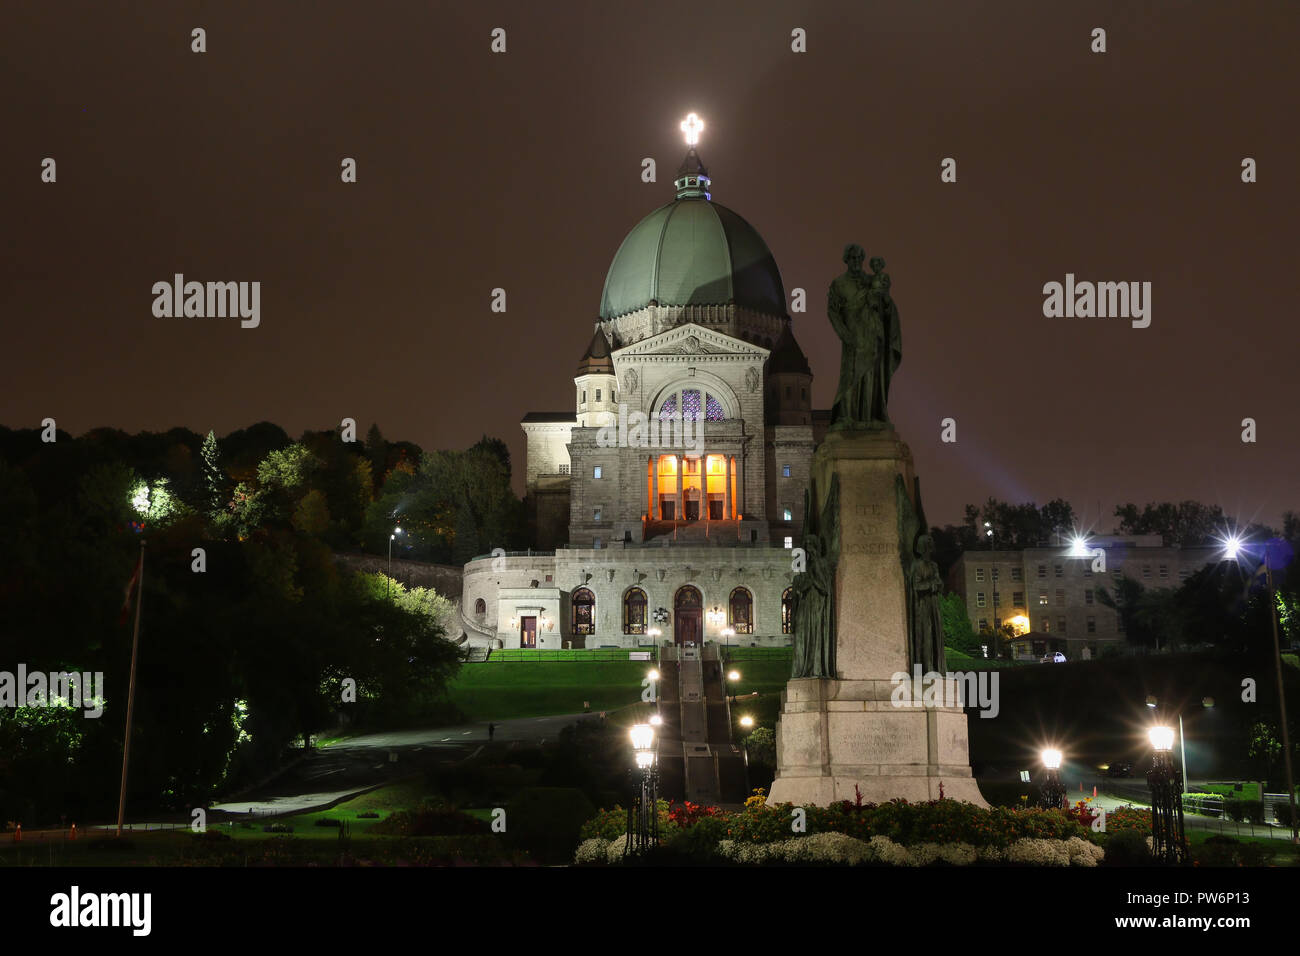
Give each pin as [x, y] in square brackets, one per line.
[1168, 841]
[391, 538]
[1052, 790]
[727, 633]
[642, 811]
[733, 676]
[1276, 554]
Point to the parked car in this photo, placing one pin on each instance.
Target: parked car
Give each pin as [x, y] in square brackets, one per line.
[1057, 658]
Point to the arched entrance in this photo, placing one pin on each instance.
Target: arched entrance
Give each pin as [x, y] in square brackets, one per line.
[688, 616]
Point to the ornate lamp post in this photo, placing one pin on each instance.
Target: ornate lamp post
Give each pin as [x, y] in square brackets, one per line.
[1168, 842]
[1052, 790]
[733, 677]
[642, 811]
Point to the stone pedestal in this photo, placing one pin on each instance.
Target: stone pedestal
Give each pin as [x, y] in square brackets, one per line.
[838, 736]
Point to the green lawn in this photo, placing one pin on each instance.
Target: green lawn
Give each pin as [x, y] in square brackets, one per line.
[499, 691]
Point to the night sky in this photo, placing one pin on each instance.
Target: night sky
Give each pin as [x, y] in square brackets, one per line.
[522, 171]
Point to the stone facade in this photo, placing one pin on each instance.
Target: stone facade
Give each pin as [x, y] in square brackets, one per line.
[838, 737]
[499, 593]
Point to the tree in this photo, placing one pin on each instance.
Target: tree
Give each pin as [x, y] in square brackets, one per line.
[214, 479]
[957, 630]
[1188, 524]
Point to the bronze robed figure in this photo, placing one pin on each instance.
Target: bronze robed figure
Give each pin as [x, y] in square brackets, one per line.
[863, 314]
[813, 591]
[923, 583]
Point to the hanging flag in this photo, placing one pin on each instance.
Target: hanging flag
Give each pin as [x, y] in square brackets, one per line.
[131, 586]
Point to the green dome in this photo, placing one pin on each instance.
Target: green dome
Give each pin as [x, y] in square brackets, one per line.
[693, 252]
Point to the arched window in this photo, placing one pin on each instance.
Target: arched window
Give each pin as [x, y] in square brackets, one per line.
[741, 607]
[787, 611]
[480, 608]
[634, 604]
[584, 607]
[692, 404]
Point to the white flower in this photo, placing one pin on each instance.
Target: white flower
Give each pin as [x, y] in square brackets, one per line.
[1083, 853]
[614, 851]
[592, 851]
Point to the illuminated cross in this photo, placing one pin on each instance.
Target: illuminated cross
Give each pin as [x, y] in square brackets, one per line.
[691, 126]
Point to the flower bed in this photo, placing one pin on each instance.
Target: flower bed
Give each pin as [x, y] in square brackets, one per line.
[940, 832]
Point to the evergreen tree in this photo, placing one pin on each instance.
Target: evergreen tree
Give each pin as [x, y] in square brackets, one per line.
[213, 478]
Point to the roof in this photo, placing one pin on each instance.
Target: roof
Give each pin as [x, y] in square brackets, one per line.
[787, 357]
[549, 417]
[596, 359]
[693, 251]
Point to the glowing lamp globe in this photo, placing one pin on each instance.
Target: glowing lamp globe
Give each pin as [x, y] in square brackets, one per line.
[643, 736]
[1162, 739]
[1052, 759]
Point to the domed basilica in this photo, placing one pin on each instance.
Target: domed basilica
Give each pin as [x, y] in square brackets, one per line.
[663, 505]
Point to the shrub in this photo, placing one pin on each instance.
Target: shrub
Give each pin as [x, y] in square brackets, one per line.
[1127, 848]
[433, 818]
[1282, 813]
[546, 821]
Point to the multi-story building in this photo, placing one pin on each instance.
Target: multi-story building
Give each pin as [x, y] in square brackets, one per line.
[664, 505]
[1050, 597]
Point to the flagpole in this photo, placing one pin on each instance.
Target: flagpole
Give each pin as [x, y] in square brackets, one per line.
[1281, 697]
[130, 693]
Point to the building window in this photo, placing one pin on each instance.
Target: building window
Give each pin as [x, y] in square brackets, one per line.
[1042, 570]
[789, 542]
[1092, 625]
[1060, 624]
[741, 611]
[1047, 626]
[997, 598]
[984, 624]
[1058, 570]
[1017, 574]
[597, 472]
[595, 544]
[979, 574]
[1042, 598]
[787, 513]
[1018, 598]
[634, 605]
[979, 598]
[1146, 570]
[595, 514]
[1182, 574]
[787, 611]
[584, 396]
[480, 608]
[1164, 570]
[785, 471]
[997, 624]
[994, 574]
[584, 617]
[1087, 596]
[1060, 596]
